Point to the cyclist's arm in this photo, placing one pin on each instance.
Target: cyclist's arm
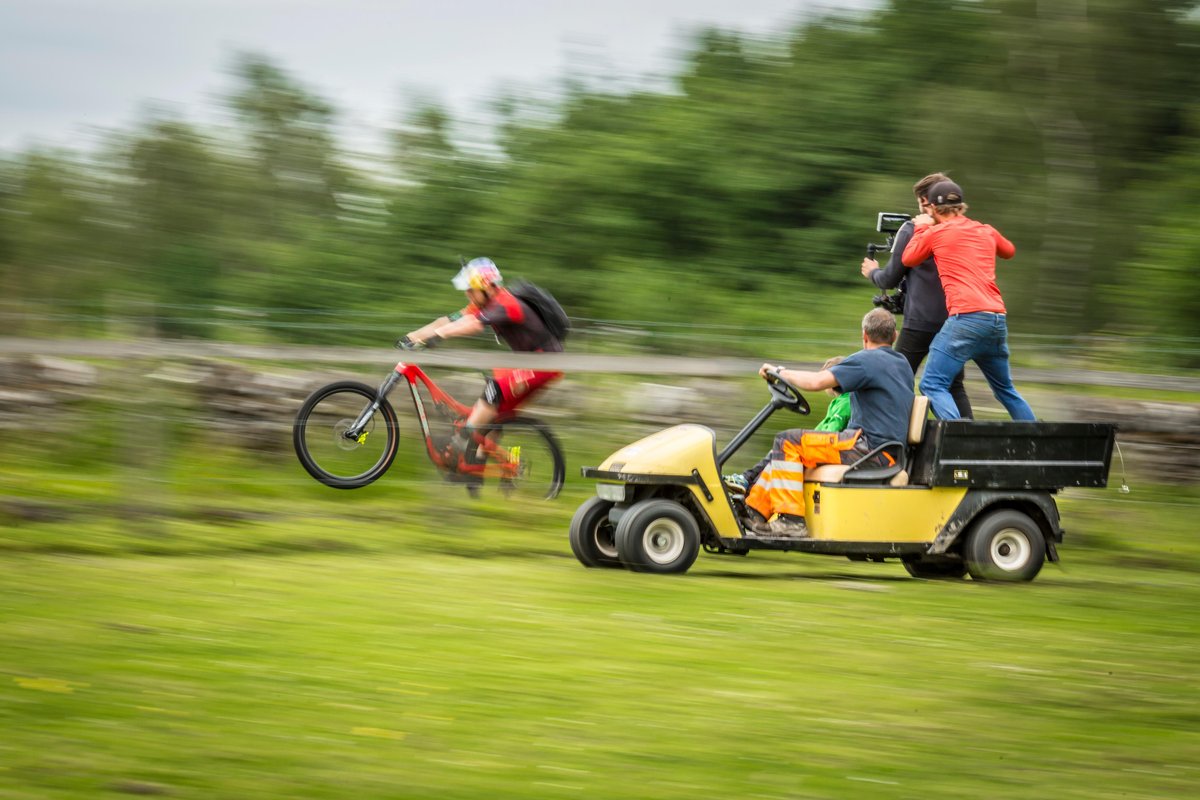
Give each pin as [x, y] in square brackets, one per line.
[466, 325]
[424, 332]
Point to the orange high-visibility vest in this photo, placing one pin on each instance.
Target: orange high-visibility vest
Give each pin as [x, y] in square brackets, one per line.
[780, 487]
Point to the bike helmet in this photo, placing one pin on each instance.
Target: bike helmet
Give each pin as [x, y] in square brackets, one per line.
[478, 273]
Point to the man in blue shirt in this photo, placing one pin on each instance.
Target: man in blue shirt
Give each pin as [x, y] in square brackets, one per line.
[880, 381]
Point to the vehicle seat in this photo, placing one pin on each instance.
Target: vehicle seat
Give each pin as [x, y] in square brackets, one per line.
[835, 473]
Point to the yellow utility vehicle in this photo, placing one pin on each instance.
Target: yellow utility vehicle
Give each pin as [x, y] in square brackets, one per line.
[963, 497]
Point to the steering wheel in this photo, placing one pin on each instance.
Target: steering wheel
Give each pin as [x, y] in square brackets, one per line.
[785, 394]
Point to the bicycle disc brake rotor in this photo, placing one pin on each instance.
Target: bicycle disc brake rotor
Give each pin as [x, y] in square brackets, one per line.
[339, 435]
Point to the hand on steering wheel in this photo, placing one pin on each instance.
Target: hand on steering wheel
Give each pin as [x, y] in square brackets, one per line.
[788, 395]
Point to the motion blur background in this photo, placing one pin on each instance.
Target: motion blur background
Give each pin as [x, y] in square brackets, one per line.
[733, 182]
[209, 208]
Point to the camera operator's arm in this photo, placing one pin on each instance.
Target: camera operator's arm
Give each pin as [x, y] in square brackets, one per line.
[1004, 248]
[890, 276]
[920, 247]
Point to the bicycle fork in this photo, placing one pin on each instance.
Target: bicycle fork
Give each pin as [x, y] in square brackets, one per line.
[355, 432]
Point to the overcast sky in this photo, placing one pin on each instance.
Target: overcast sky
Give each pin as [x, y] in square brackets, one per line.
[69, 67]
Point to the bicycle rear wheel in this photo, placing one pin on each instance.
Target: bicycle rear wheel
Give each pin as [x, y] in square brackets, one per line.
[535, 466]
[326, 453]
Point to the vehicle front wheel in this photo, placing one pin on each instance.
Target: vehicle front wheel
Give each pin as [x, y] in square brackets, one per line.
[593, 536]
[1005, 545]
[936, 568]
[658, 536]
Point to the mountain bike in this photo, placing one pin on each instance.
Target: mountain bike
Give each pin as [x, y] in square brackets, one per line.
[346, 435]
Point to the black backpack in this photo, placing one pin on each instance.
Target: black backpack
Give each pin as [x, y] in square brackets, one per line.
[545, 306]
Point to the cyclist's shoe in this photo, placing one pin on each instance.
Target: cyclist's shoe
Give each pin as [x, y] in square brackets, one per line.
[472, 480]
[735, 483]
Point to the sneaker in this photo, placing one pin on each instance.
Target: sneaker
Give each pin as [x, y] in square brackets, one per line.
[755, 523]
[789, 526]
[735, 483]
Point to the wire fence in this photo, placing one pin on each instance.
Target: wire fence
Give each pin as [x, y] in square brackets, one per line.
[363, 324]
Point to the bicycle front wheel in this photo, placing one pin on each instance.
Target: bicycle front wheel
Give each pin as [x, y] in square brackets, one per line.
[534, 466]
[319, 436]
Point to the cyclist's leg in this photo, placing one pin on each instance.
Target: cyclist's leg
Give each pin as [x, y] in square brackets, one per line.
[482, 414]
[504, 393]
[515, 387]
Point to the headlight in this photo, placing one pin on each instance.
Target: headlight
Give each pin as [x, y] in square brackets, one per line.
[615, 492]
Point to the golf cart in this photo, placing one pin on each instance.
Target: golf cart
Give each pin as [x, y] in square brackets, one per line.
[962, 497]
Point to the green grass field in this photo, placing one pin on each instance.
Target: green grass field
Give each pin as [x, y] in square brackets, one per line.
[183, 619]
[401, 641]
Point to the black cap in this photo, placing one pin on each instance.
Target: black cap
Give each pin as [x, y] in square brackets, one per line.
[944, 193]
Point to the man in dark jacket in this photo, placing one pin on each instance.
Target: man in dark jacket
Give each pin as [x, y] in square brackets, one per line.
[924, 299]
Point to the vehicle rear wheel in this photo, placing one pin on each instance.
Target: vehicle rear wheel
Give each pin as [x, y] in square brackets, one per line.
[658, 536]
[936, 567]
[593, 536]
[1005, 545]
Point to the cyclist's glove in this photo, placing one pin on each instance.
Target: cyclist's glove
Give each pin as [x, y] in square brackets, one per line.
[410, 344]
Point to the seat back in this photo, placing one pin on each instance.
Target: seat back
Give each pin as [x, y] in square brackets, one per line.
[916, 419]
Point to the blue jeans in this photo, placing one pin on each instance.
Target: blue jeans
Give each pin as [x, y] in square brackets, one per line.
[982, 337]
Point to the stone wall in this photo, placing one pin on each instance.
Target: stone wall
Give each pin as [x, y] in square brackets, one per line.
[254, 407]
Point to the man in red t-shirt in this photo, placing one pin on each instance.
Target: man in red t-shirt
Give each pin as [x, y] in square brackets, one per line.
[514, 323]
[977, 328]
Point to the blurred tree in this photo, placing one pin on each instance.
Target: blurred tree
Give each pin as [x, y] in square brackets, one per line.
[1157, 284]
[52, 264]
[441, 191]
[178, 197]
[290, 134]
[740, 195]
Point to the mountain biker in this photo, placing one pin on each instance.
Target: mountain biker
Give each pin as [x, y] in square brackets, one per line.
[513, 321]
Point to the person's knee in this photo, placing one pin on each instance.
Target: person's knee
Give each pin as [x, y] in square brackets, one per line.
[928, 384]
[492, 394]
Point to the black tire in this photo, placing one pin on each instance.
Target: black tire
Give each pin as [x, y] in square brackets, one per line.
[658, 536]
[542, 466]
[593, 537]
[1004, 545]
[330, 457]
[936, 567]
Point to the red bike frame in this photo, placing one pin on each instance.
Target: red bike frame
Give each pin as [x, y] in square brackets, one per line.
[500, 461]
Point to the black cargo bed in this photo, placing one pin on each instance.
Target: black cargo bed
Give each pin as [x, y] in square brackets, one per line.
[1014, 455]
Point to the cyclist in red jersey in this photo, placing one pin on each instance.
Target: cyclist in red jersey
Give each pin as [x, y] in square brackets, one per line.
[514, 323]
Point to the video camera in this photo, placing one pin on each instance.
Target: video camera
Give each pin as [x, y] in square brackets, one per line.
[889, 223]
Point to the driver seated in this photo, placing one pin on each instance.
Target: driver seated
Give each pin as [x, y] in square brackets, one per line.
[837, 416]
[880, 383]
